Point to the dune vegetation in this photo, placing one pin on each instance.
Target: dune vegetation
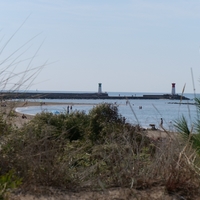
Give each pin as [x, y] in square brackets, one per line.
[96, 151]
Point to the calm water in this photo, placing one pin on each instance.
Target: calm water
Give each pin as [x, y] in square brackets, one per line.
[151, 112]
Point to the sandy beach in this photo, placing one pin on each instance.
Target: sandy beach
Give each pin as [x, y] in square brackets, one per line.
[8, 107]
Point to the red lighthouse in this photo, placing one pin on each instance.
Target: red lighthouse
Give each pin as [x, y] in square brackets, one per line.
[173, 88]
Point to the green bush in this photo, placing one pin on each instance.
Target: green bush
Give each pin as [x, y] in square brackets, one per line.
[72, 126]
[77, 149]
[76, 125]
[104, 118]
[5, 127]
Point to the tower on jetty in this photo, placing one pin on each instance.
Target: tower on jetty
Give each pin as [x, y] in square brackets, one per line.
[173, 89]
[100, 88]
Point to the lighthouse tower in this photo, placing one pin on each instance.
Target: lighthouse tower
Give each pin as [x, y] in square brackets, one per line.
[173, 88]
[99, 89]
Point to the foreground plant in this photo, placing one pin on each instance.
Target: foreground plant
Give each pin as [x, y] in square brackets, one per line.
[8, 182]
[13, 77]
[58, 151]
[189, 155]
[190, 132]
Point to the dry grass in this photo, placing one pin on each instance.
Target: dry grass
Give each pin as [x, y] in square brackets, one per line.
[127, 158]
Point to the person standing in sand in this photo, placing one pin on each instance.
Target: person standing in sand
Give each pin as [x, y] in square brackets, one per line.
[67, 109]
[161, 122]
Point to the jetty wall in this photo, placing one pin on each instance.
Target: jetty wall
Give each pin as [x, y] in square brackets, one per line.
[46, 95]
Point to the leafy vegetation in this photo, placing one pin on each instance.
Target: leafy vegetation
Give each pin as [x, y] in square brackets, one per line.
[190, 132]
[8, 181]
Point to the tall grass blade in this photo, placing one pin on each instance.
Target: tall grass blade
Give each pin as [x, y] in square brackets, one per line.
[133, 112]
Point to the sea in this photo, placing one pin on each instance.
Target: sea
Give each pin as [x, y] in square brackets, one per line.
[137, 111]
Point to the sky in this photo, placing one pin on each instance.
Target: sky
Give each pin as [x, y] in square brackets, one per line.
[127, 45]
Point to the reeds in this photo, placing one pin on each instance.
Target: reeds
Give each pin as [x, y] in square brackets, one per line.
[17, 72]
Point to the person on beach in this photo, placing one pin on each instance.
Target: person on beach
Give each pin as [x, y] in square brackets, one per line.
[161, 122]
[67, 109]
[24, 116]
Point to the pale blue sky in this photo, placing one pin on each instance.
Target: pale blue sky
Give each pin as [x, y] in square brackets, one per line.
[127, 45]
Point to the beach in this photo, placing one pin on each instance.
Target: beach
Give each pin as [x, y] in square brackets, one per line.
[142, 112]
[17, 119]
[8, 108]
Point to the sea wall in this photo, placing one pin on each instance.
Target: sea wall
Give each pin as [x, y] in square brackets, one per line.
[37, 95]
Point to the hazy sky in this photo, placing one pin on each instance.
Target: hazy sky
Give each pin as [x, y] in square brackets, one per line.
[127, 45]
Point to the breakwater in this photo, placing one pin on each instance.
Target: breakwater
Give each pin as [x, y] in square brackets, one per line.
[55, 95]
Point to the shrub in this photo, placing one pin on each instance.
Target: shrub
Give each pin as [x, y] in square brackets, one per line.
[190, 133]
[70, 126]
[54, 150]
[76, 125]
[104, 118]
[183, 175]
[8, 181]
[5, 127]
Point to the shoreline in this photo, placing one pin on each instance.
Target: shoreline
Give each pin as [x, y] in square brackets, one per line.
[9, 108]
[17, 120]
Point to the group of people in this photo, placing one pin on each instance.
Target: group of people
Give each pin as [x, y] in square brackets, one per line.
[68, 109]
